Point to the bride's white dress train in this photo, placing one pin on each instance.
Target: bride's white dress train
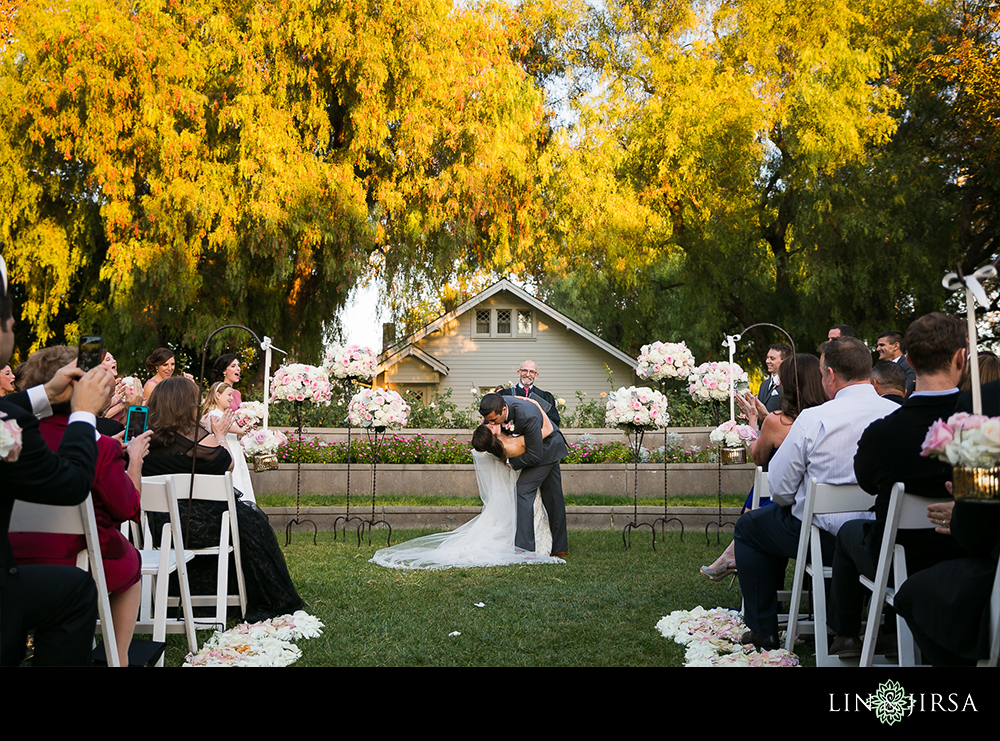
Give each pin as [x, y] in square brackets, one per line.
[487, 539]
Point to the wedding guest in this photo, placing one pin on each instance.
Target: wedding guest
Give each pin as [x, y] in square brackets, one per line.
[806, 393]
[6, 381]
[161, 364]
[178, 440]
[889, 381]
[989, 371]
[820, 444]
[115, 491]
[227, 369]
[891, 348]
[58, 602]
[839, 330]
[889, 452]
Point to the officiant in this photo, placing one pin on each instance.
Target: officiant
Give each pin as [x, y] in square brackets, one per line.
[528, 373]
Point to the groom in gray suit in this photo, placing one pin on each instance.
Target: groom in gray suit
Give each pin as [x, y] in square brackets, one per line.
[539, 467]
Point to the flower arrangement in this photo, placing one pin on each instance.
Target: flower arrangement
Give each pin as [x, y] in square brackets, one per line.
[713, 637]
[351, 361]
[711, 381]
[263, 442]
[299, 382]
[733, 435]
[267, 643]
[379, 408]
[249, 414]
[10, 439]
[636, 407]
[970, 440]
[664, 360]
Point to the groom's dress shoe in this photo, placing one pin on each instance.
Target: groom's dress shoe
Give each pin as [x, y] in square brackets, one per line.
[560, 554]
[764, 643]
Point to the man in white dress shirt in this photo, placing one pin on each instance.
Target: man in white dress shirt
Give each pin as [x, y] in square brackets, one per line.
[821, 443]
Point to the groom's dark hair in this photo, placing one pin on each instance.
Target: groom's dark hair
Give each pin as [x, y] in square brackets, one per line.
[491, 404]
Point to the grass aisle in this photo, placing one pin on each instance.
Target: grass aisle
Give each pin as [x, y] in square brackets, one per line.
[600, 609]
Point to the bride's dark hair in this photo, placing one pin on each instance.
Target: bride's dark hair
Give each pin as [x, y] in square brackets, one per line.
[485, 441]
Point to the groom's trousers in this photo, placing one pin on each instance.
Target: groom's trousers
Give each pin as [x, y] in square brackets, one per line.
[548, 478]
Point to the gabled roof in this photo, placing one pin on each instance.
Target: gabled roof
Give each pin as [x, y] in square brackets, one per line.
[395, 353]
[411, 349]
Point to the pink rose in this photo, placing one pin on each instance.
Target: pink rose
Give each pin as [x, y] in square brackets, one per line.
[939, 435]
[965, 421]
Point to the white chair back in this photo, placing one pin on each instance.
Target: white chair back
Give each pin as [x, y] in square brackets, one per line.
[29, 517]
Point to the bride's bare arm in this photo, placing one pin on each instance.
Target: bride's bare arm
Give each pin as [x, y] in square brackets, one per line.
[546, 422]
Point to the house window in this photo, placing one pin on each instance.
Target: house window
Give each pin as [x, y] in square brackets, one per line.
[524, 323]
[483, 322]
[503, 323]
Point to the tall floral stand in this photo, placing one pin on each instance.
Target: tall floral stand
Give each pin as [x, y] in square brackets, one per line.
[297, 520]
[376, 436]
[346, 517]
[634, 434]
[662, 521]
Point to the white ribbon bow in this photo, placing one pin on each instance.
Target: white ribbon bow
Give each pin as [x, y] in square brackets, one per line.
[952, 283]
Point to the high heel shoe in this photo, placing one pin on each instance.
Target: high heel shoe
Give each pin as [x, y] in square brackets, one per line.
[719, 572]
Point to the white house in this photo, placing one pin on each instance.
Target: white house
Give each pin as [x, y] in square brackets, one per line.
[481, 344]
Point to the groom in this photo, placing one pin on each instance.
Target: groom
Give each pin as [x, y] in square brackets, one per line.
[539, 467]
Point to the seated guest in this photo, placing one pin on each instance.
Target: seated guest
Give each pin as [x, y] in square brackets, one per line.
[947, 606]
[839, 330]
[58, 602]
[820, 444]
[889, 381]
[889, 451]
[808, 392]
[989, 371]
[6, 381]
[177, 442]
[115, 493]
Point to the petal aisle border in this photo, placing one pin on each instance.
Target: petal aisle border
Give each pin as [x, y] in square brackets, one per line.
[267, 643]
[713, 639]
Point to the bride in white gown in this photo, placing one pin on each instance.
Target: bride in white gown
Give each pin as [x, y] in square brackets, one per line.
[487, 539]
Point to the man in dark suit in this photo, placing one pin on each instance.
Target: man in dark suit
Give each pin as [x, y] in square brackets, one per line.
[889, 451]
[539, 467]
[528, 373]
[891, 348]
[58, 602]
[770, 389]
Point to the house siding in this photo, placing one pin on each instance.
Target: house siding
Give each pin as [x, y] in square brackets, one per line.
[567, 362]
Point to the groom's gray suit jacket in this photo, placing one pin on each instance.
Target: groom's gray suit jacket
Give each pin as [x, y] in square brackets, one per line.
[539, 467]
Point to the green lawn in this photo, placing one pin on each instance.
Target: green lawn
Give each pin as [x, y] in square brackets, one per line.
[600, 609]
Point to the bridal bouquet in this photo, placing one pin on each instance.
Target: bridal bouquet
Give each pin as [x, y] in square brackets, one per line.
[711, 381]
[733, 435]
[636, 407]
[249, 414]
[351, 361]
[378, 408]
[970, 440]
[262, 442]
[664, 360]
[298, 382]
[10, 439]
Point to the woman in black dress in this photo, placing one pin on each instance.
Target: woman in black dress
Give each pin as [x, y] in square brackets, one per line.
[177, 437]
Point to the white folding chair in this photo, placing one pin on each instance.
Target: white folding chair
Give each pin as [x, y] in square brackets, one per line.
[906, 512]
[821, 499]
[29, 517]
[214, 489]
[760, 490]
[159, 563]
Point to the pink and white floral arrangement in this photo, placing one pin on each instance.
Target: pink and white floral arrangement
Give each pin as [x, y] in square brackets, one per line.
[711, 381]
[262, 442]
[969, 440]
[300, 382]
[351, 361]
[664, 360]
[636, 407]
[378, 408]
[733, 435]
[249, 414]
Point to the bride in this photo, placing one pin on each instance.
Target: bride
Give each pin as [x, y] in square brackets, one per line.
[488, 538]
